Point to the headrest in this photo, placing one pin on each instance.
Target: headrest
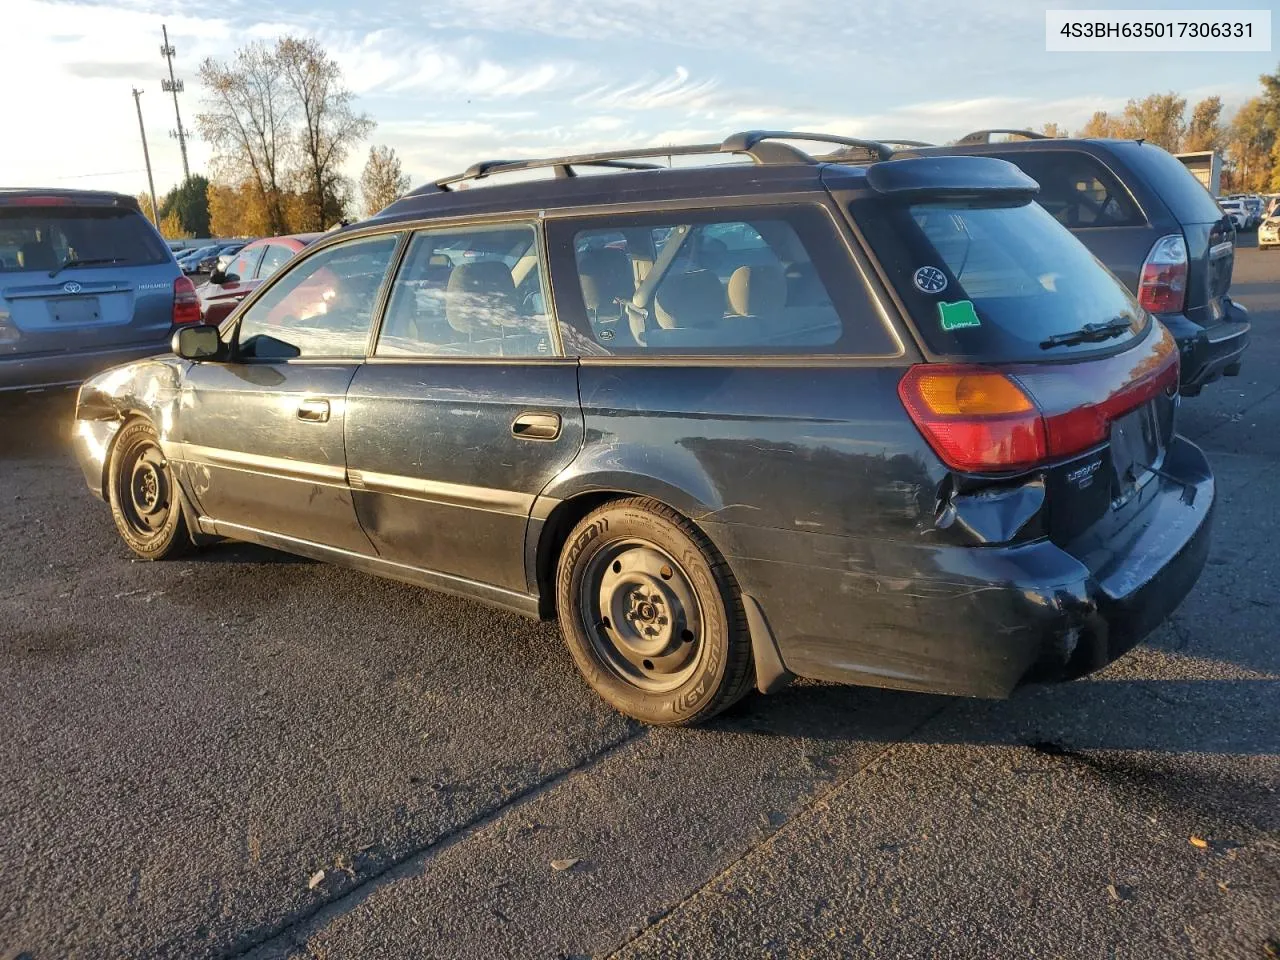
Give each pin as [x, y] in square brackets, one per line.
[606, 276]
[38, 255]
[758, 291]
[479, 296]
[693, 299]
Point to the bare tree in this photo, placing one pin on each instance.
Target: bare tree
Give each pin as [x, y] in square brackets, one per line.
[383, 181]
[330, 126]
[1204, 132]
[246, 119]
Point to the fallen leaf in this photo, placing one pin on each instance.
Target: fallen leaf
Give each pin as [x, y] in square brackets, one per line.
[1224, 885]
[317, 878]
[1111, 889]
[1199, 843]
[559, 866]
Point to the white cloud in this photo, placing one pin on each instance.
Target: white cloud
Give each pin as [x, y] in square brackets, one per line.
[651, 93]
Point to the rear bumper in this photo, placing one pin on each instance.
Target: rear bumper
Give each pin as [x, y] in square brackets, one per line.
[978, 621]
[1208, 353]
[69, 368]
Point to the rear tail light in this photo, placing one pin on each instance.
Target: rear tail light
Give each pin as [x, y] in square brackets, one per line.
[186, 304]
[984, 419]
[1162, 285]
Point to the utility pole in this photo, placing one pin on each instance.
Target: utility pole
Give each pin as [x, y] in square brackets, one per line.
[175, 87]
[146, 155]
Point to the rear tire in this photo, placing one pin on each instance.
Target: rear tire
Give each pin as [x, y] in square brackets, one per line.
[144, 497]
[652, 614]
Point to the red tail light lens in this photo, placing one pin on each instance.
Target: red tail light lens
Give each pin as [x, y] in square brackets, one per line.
[976, 418]
[1000, 419]
[186, 304]
[1162, 285]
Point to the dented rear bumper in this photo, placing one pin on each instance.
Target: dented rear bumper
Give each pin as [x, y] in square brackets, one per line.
[973, 620]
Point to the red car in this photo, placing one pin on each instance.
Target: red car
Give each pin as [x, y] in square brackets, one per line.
[220, 294]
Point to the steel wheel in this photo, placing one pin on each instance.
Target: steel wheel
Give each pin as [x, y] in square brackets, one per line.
[642, 615]
[145, 480]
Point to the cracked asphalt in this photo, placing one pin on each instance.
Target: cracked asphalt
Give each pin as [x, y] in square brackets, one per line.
[247, 755]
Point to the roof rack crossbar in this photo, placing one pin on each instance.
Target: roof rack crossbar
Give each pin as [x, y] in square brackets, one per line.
[746, 141]
[984, 136]
[624, 159]
[760, 145]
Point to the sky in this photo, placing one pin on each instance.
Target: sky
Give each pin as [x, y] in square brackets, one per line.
[450, 82]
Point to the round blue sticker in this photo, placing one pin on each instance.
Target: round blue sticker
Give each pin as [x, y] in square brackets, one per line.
[930, 280]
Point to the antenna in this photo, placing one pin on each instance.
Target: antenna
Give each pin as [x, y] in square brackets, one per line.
[175, 86]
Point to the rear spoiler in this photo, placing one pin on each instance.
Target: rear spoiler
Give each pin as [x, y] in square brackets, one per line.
[55, 197]
[950, 177]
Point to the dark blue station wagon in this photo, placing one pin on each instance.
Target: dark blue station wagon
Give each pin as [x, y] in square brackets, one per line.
[879, 421]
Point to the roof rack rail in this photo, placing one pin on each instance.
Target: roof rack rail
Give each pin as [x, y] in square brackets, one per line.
[760, 145]
[895, 142]
[984, 136]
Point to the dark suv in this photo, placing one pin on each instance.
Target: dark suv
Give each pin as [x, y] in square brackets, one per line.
[883, 422]
[86, 282]
[1153, 224]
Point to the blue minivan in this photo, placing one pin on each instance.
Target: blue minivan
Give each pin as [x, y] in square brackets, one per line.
[86, 282]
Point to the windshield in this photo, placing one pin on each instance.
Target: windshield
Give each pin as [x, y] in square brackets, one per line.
[33, 238]
[998, 283]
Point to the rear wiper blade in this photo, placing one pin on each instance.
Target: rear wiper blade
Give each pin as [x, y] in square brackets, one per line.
[1089, 333]
[88, 262]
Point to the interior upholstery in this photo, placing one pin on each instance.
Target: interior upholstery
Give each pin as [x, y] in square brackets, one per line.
[758, 291]
[480, 297]
[694, 299]
[38, 255]
[606, 278]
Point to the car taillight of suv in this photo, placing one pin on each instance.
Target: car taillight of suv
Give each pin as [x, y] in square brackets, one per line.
[186, 305]
[1162, 284]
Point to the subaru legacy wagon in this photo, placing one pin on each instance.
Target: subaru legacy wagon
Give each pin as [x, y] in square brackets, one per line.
[878, 421]
[86, 283]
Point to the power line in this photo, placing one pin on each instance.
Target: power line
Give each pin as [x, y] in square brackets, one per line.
[175, 86]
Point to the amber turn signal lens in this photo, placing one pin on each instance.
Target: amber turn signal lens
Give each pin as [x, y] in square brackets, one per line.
[971, 393]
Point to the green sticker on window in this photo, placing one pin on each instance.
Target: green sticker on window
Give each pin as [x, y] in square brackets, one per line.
[958, 315]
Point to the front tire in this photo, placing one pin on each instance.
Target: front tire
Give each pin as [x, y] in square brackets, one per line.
[652, 614]
[143, 494]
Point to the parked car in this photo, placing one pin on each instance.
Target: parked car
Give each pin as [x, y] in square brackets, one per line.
[252, 264]
[899, 429]
[1146, 217]
[85, 282]
[209, 262]
[190, 262]
[1269, 233]
[1253, 206]
[1235, 209]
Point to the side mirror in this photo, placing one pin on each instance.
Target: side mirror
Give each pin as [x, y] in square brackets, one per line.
[199, 342]
[218, 277]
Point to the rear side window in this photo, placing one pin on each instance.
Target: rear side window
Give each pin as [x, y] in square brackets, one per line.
[1077, 189]
[994, 283]
[35, 238]
[1185, 196]
[741, 282]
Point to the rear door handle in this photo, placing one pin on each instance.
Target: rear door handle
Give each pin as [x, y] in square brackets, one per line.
[314, 411]
[536, 426]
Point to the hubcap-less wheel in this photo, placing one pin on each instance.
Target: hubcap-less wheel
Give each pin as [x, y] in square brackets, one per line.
[144, 473]
[642, 615]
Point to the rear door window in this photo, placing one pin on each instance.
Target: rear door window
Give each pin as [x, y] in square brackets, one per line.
[995, 282]
[36, 238]
[743, 282]
[1077, 189]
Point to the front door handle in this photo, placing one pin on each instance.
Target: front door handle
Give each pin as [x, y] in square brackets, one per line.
[314, 411]
[536, 426]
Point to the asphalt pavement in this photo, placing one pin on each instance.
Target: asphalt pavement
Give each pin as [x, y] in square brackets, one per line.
[248, 755]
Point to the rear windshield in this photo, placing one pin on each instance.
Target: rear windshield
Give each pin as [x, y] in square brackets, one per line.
[1184, 195]
[995, 283]
[35, 238]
